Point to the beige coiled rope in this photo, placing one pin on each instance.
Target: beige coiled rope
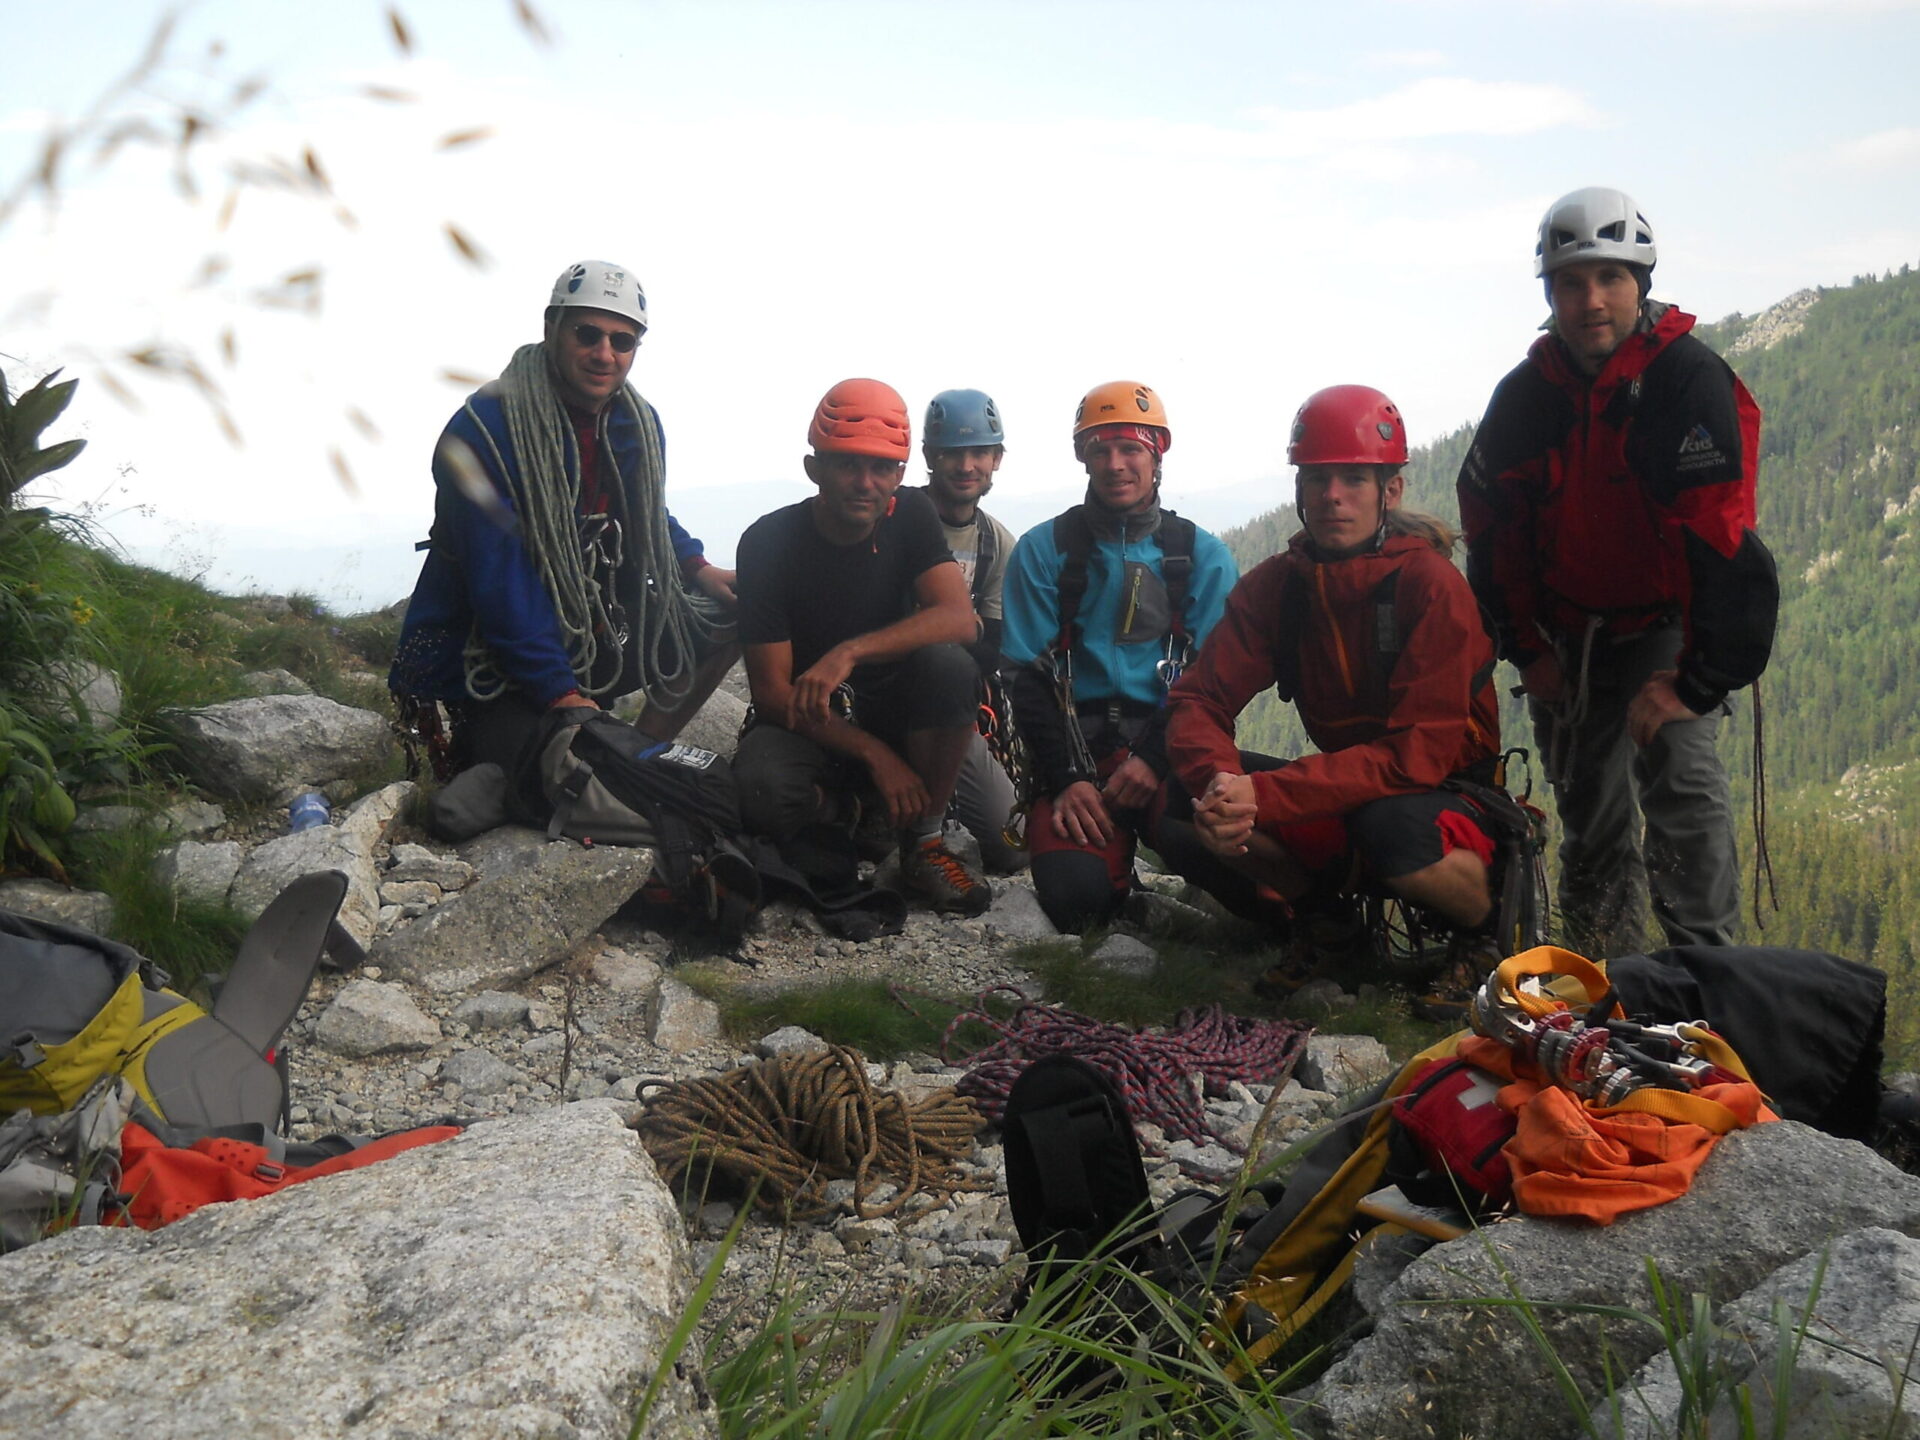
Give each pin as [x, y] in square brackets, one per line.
[668, 617]
[785, 1127]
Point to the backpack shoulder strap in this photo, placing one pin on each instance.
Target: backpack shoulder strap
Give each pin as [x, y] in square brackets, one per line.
[1295, 606]
[986, 550]
[1176, 568]
[1073, 538]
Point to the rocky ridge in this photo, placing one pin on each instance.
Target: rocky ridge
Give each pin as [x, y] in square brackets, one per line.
[506, 984]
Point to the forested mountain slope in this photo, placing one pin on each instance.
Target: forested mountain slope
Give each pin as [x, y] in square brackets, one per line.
[1837, 372]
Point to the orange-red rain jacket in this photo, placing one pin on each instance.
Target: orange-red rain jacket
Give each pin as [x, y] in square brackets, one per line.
[1383, 653]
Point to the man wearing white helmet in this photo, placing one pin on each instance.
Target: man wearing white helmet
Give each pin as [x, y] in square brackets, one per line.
[1608, 501]
[963, 443]
[554, 574]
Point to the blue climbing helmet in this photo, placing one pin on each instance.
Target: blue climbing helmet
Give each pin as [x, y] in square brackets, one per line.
[961, 419]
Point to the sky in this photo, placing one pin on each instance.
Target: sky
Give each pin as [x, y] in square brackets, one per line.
[1237, 204]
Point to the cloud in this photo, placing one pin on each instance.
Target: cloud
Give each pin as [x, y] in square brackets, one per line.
[1882, 150]
[1404, 59]
[1430, 109]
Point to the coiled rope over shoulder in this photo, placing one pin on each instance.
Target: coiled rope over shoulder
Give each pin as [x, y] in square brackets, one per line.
[785, 1127]
[670, 624]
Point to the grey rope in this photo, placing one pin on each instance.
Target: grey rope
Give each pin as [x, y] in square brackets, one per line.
[544, 486]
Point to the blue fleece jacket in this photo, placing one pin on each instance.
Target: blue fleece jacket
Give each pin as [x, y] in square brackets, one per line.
[478, 578]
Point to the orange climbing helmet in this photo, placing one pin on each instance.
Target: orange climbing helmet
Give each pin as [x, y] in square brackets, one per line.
[861, 417]
[1348, 425]
[1124, 403]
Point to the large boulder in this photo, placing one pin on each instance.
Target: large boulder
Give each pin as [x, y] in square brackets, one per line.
[62, 904]
[525, 912]
[1858, 1300]
[519, 1280]
[1449, 1350]
[347, 847]
[269, 747]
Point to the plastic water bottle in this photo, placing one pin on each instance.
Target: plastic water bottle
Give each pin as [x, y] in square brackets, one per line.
[307, 811]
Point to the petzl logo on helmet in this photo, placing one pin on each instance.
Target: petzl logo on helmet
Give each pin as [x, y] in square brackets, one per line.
[1142, 399]
[573, 280]
[1385, 427]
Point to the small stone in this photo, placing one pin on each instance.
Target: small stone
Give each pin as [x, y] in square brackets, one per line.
[369, 1017]
[550, 1042]
[479, 1072]
[1342, 1064]
[410, 892]
[491, 1010]
[790, 1040]
[1124, 955]
[623, 971]
[682, 1020]
[414, 863]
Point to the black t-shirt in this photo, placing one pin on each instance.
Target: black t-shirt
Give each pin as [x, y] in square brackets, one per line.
[796, 585]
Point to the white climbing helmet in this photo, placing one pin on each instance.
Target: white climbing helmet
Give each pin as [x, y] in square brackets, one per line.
[599, 285]
[1593, 224]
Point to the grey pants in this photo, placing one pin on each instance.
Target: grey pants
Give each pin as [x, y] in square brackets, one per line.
[983, 798]
[1606, 785]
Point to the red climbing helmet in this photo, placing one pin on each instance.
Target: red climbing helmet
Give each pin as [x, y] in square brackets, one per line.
[1348, 425]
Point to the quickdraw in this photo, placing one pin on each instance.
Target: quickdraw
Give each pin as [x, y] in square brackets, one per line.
[420, 725]
[1601, 1061]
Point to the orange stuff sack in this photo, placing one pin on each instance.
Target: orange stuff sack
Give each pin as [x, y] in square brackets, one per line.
[1575, 1161]
[167, 1182]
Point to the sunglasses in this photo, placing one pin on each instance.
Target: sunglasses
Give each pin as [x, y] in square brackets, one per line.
[589, 336]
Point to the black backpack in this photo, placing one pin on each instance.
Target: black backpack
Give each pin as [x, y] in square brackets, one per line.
[591, 776]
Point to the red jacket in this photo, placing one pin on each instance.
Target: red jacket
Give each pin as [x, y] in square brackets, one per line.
[1386, 658]
[1628, 499]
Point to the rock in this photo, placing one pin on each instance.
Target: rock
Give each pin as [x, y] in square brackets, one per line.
[105, 819]
[625, 971]
[194, 819]
[516, 922]
[1860, 1321]
[1124, 955]
[789, 1040]
[479, 1072]
[371, 1017]
[198, 870]
[1344, 1064]
[263, 748]
[521, 1279]
[80, 689]
[504, 850]
[491, 1010]
[716, 725]
[410, 892]
[274, 682]
[48, 900]
[416, 862]
[347, 847]
[1016, 915]
[1319, 998]
[682, 1020]
[1435, 1362]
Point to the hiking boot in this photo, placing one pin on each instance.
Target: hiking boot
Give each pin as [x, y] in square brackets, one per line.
[1470, 960]
[932, 871]
[1326, 945]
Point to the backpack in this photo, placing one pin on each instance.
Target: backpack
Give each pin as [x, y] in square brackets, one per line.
[75, 1007]
[1264, 1259]
[592, 777]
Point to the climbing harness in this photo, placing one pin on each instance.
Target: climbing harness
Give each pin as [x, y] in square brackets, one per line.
[783, 1128]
